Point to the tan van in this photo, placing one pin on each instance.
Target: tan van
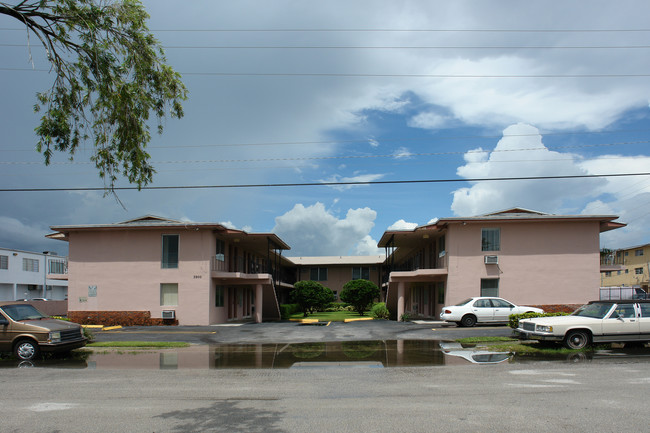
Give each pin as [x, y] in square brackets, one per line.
[27, 332]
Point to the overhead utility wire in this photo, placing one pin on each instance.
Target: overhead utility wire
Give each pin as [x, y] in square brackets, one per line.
[333, 74]
[387, 30]
[311, 158]
[388, 47]
[375, 182]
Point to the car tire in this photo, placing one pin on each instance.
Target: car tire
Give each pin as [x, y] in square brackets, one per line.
[26, 350]
[468, 321]
[576, 340]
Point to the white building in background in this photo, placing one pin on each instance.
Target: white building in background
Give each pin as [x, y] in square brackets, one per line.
[28, 275]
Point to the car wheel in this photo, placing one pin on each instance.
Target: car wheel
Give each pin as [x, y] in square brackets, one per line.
[26, 350]
[468, 321]
[576, 340]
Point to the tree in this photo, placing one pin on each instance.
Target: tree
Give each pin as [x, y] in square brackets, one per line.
[110, 76]
[360, 294]
[311, 296]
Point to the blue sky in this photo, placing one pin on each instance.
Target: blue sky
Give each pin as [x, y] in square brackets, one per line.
[517, 89]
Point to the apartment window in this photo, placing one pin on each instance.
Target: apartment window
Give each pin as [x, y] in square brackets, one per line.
[618, 272]
[608, 273]
[57, 267]
[627, 271]
[221, 250]
[169, 294]
[30, 265]
[169, 251]
[490, 239]
[218, 302]
[361, 273]
[318, 274]
[638, 253]
[638, 271]
[4, 262]
[489, 287]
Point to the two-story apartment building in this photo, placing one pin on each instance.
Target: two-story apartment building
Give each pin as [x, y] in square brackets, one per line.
[528, 257]
[334, 271]
[626, 267]
[29, 275]
[152, 269]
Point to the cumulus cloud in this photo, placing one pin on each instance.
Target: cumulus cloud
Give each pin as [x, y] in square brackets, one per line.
[429, 120]
[315, 231]
[521, 153]
[402, 153]
[402, 225]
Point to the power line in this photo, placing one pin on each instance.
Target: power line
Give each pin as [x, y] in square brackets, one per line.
[388, 47]
[386, 30]
[405, 154]
[363, 75]
[376, 182]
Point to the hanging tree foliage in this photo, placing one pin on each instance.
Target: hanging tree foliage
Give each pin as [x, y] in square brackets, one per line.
[110, 76]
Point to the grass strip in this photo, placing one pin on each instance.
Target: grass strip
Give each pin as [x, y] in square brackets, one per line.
[148, 344]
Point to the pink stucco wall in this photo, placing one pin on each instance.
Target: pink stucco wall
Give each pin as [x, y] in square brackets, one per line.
[539, 263]
[126, 268]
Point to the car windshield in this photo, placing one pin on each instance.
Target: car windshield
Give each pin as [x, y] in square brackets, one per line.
[22, 312]
[597, 311]
[464, 302]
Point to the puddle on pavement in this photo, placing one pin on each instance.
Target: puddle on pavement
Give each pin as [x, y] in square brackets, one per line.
[341, 354]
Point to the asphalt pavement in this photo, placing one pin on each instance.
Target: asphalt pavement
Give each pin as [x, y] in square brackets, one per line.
[293, 332]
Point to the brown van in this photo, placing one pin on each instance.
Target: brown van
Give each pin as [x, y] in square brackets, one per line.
[27, 332]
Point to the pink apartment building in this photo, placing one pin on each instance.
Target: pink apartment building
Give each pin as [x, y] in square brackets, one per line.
[525, 256]
[153, 270]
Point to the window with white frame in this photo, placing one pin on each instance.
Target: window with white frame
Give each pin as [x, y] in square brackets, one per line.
[638, 252]
[4, 262]
[170, 251]
[30, 265]
[638, 271]
[360, 273]
[489, 287]
[318, 274]
[490, 239]
[169, 294]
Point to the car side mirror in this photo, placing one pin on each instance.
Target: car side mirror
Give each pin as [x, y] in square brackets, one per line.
[3, 321]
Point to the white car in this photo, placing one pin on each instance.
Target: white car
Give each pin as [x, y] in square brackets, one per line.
[596, 322]
[472, 355]
[483, 309]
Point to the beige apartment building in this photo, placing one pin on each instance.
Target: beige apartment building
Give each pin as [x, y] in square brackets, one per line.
[627, 267]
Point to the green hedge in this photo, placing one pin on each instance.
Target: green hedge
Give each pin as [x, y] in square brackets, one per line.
[514, 318]
[286, 310]
[379, 311]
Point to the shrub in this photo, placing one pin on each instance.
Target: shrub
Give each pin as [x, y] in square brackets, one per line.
[514, 318]
[311, 296]
[379, 311]
[359, 293]
[405, 317]
[286, 310]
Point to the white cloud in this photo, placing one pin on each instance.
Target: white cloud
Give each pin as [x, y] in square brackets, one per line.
[30, 237]
[315, 231]
[402, 153]
[401, 225]
[335, 178]
[521, 153]
[429, 120]
[373, 142]
[367, 247]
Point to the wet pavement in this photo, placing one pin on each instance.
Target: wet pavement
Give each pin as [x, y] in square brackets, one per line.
[293, 332]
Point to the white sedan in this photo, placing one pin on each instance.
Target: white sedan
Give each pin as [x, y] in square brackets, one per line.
[483, 309]
[596, 322]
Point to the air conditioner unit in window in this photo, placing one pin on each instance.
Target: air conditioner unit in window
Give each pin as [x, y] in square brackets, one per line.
[168, 314]
[491, 260]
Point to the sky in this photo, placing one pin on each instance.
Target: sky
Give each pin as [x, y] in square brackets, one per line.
[428, 99]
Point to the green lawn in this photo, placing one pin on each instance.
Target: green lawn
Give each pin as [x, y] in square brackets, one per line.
[332, 316]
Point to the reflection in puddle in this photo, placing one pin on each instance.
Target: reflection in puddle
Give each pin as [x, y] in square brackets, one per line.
[342, 354]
